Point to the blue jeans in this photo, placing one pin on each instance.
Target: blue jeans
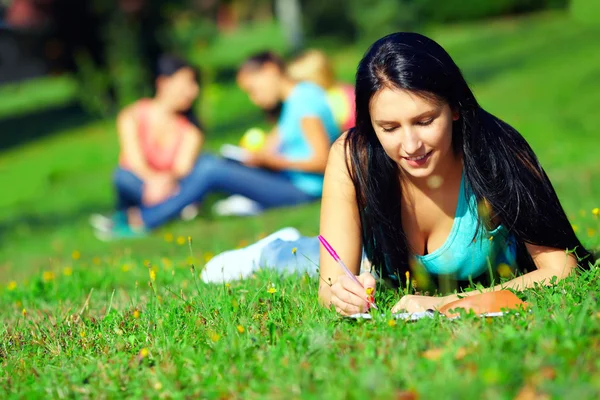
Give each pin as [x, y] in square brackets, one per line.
[212, 174]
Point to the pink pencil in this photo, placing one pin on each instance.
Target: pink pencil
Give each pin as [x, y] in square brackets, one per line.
[337, 258]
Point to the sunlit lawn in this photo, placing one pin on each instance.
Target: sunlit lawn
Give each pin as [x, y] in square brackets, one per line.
[88, 319]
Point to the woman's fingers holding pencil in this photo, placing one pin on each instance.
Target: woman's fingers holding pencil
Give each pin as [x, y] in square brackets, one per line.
[368, 282]
[349, 297]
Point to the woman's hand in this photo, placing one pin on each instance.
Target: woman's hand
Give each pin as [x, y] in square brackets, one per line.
[414, 303]
[348, 297]
[158, 189]
[266, 159]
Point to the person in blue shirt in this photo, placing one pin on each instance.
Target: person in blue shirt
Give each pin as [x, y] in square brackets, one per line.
[289, 168]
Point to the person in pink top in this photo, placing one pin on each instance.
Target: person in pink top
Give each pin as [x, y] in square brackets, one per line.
[160, 140]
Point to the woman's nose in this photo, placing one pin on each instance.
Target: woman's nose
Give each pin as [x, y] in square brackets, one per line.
[411, 142]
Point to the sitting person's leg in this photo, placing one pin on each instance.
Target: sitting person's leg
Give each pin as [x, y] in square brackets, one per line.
[213, 174]
[283, 251]
[129, 189]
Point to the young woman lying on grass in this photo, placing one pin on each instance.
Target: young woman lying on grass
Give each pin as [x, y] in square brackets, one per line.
[428, 181]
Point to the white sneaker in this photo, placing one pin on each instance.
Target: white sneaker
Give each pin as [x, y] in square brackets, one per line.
[190, 212]
[238, 206]
[101, 222]
[241, 263]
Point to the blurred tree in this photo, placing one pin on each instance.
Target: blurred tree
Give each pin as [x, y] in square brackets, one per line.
[328, 19]
[290, 18]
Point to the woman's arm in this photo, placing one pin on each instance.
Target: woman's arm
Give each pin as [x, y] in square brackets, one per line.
[318, 140]
[340, 225]
[158, 186]
[130, 145]
[551, 263]
[189, 148]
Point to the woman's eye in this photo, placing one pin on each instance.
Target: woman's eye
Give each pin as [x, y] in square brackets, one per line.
[391, 129]
[425, 122]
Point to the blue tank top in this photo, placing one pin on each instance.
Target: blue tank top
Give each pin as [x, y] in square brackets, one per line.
[469, 251]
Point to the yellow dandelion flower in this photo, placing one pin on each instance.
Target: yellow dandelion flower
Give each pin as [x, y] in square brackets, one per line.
[391, 322]
[144, 352]
[370, 290]
[169, 237]
[243, 243]
[596, 212]
[575, 228]
[82, 334]
[227, 285]
[96, 260]
[208, 256]
[214, 336]
[24, 312]
[67, 271]
[240, 329]
[190, 240]
[180, 240]
[152, 275]
[157, 386]
[136, 313]
[294, 250]
[76, 255]
[125, 267]
[407, 274]
[504, 270]
[12, 285]
[591, 232]
[272, 290]
[48, 276]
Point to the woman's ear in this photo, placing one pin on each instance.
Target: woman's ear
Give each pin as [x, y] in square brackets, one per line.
[455, 115]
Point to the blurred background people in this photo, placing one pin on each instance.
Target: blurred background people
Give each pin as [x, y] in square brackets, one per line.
[160, 139]
[288, 170]
[314, 66]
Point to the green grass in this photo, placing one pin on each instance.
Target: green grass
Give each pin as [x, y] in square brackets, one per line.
[94, 327]
[37, 94]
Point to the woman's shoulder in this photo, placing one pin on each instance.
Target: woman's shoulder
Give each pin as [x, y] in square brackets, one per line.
[135, 109]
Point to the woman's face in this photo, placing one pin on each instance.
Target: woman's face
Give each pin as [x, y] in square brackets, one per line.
[180, 89]
[414, 131]
[263, 86]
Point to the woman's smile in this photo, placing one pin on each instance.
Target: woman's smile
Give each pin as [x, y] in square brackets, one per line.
[418, 161]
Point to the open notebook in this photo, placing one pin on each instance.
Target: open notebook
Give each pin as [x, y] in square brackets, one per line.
[425, 314]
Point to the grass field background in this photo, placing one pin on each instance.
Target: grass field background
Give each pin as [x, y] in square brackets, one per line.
[82, 318]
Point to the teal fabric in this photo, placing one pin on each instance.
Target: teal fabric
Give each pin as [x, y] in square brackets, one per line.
[461, 255]
[306, 100]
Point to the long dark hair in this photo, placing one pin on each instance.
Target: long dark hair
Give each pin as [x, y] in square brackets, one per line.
[168, 65]
[499, 165]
